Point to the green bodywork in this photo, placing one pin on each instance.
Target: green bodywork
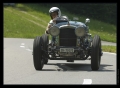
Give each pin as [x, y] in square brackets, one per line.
[72, 24]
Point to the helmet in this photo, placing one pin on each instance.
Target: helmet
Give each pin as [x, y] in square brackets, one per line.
[55, 9]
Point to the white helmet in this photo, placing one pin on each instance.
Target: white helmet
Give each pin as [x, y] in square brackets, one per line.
[55, 9]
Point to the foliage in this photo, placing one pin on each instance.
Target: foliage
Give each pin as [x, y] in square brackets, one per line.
[106, 12]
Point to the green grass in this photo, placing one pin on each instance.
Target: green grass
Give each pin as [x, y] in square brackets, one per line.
[30, 20]
[39, 14]
[107, 48]
[17, 26]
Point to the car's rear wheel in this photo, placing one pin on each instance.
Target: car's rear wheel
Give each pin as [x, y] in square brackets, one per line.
[45, 47]
[96, 53]
[38, 53]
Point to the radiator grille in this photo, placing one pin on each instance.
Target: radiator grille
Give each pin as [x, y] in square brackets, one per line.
[67, 37]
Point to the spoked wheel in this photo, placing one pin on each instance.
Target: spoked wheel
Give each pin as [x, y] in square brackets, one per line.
[45, 47]
[38, 53]
[96, 53]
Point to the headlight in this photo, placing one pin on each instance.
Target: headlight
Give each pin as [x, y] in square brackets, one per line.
[54, 31]
[80, 31]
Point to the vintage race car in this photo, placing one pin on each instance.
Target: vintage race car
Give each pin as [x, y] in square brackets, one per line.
[70, 41]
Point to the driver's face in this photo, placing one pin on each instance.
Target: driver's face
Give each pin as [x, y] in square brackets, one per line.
[54, 14]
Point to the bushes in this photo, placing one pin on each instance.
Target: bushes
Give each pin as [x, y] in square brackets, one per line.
[106, 12]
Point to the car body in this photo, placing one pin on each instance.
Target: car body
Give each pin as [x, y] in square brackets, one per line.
[70, 41]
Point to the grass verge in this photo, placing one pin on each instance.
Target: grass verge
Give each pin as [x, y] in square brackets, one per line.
[39, 14]
[107, 48]
[30, 20]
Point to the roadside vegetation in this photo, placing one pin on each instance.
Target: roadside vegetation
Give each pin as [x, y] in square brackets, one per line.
[108, 48]
[30, 20]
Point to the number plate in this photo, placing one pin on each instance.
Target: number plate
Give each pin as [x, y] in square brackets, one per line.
[66, 49]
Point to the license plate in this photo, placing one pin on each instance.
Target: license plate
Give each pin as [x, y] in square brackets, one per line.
[66, 49]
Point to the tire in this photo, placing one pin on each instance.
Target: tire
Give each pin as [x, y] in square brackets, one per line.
[38, 53]
[96, 53]
[45, 47]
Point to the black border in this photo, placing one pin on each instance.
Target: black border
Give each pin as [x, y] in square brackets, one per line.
[117, 69]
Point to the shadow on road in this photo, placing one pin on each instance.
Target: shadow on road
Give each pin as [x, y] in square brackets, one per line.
[77, 67]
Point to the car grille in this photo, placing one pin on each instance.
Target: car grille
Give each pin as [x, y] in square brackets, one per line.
[67, 37]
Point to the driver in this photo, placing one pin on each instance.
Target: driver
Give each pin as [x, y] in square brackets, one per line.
[54, 14]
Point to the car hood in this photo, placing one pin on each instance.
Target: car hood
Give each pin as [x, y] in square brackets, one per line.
[71, 23]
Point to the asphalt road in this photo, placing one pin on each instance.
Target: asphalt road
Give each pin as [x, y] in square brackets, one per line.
[19, 68]
[108, 43]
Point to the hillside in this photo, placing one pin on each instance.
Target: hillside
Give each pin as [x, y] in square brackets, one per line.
[30, 20]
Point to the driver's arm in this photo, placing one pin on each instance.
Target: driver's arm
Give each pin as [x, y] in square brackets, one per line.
[47, 29]
[48, 26]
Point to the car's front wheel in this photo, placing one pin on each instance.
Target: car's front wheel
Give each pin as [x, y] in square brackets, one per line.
[45, 47]
[96, 53]
[38, 53]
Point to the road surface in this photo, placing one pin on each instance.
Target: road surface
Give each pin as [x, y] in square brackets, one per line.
[19, 68]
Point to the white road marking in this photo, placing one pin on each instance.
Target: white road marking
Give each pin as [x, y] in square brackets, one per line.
[87, 81]
[109, 53]
[28, 49]
[22, 46]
